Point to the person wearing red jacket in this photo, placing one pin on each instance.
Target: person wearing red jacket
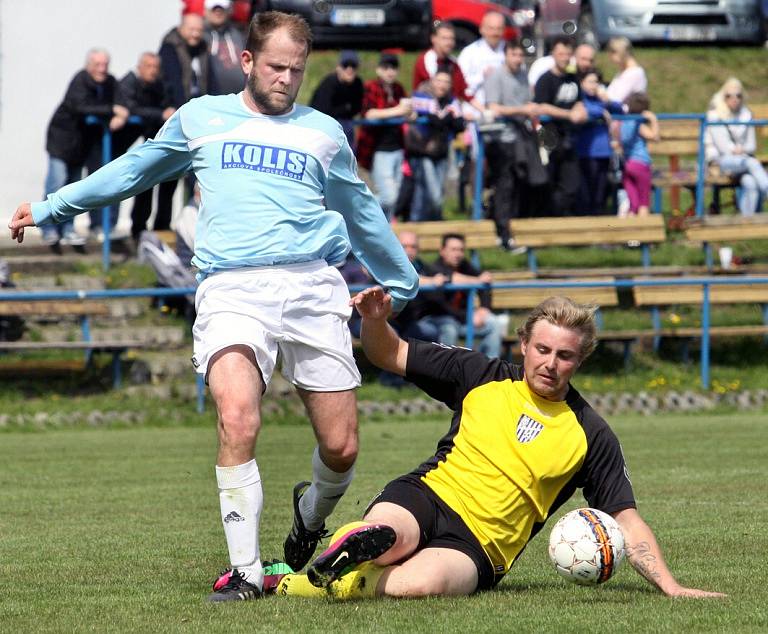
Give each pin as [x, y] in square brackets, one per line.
[440, 56]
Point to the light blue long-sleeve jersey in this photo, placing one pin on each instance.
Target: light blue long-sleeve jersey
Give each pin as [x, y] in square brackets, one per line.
[274, 190]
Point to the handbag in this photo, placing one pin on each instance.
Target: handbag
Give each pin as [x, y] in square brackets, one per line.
[615, 169]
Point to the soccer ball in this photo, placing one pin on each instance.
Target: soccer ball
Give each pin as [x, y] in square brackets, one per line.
[586, 546]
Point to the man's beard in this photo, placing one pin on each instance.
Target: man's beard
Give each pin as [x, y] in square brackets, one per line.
[262, 98]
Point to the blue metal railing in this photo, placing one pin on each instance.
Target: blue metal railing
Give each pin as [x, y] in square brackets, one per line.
[705, 282]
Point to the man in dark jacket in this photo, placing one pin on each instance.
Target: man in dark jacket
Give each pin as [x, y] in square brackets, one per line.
[225, 43]
[146, 96]
[72, 145]
[449, 313]
[187, 72]
[340, 94]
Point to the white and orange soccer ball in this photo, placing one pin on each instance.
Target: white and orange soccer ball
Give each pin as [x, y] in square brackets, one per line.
[586, 546]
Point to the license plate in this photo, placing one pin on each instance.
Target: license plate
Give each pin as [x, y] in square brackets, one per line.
[692, 33]
[357, 17]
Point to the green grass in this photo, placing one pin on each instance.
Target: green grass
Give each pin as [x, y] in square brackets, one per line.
[118, 531]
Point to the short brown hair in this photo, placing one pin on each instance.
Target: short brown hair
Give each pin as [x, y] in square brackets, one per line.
[638, 102]
[564, 312]
[264, 24]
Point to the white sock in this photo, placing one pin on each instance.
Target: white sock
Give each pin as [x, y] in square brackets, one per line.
[241, 501]
[326, 490]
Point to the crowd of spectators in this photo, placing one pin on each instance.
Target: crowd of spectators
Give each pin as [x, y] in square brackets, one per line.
[199, 56]
[552, 147]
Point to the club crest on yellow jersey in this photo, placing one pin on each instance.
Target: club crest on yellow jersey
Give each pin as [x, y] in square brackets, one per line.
[527, 429]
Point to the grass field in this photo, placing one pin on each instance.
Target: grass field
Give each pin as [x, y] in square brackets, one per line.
[118, 530]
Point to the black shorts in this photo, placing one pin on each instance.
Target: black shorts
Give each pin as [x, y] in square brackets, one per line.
[439, 525]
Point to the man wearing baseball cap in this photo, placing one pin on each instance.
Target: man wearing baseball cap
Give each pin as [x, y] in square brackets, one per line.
[340, 94]
[225, 43]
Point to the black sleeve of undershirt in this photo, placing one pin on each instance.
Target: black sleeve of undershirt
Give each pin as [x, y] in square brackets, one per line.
[606, 483]
[448, 373]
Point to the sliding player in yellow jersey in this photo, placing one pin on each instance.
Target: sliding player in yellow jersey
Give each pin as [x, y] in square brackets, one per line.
[521, 441]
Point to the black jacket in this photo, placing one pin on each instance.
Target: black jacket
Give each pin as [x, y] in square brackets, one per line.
[337, 99]
[68, 138]
[176, 62]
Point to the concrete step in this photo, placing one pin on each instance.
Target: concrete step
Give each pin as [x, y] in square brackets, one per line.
[162, 336]
[51, 263]
[63, 282]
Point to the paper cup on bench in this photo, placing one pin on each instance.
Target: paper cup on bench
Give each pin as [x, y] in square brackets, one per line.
[726, 257]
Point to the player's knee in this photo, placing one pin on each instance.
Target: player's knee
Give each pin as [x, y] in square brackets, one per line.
[238, 425]
[425, 586]
[342, 450]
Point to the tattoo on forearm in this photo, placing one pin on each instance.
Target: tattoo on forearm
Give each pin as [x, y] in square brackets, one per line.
[644, 561]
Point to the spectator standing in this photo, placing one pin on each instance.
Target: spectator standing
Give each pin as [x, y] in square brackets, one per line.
[145, 95]
[732, 147]
[450, 317]
[72, 145]
[340, 94]
[513, 153]
[380, 147]
[557, 93]
[631, 76]
[429, 142]
[483, 56]
[187, 71]
[583, 60]
[225, 44]
[593, 146]
[440, 56]
[637, 161]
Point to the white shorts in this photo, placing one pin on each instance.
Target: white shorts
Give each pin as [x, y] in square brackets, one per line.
[300, 310]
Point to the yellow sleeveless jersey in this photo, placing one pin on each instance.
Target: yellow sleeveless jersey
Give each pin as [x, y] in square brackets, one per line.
[511, 458]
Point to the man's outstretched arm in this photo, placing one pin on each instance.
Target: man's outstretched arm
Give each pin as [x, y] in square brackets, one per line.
[382, 345]
[644, 554]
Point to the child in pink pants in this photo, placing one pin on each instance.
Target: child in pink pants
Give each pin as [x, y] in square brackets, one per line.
[637, 160]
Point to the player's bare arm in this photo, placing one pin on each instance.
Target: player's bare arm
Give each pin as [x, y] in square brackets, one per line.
[381, 343]
[22, 218]
[644, 553]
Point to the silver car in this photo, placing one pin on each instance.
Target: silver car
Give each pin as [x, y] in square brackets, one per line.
[597, 21]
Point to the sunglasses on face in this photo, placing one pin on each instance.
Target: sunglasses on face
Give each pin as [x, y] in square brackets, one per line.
[349, 65]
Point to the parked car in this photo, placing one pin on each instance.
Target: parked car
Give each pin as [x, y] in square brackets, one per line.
[361, 23]
[465, 15]
[652, 20]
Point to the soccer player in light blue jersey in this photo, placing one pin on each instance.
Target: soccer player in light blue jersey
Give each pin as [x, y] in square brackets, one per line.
[281, 204]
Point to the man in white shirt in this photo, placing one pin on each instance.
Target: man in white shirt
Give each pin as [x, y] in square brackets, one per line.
[483, 56]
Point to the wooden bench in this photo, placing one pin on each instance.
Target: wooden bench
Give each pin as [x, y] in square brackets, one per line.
[523, 299]
[714, 229]
[479, 234]
[679, 139]
[587, 231]
[115, 348]
[653, 297]
[57, 309]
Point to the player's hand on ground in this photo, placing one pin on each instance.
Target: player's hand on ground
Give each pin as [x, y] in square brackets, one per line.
[22, 218]
[694, 593]
[372, 303]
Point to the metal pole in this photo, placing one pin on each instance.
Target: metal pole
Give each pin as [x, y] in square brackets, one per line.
[106, 221]
[705, 337]
[701, 177]
[477, 209]
[470, 325]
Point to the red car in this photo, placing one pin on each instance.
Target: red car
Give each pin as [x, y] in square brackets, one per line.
[465, 15]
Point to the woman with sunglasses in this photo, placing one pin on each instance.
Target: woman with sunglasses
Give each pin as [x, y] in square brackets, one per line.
[732, 147]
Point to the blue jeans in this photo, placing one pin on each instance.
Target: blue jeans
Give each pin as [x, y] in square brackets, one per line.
[60, 173]
[428, 180]
[387, 174]
[753, 181]
[449, 330]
